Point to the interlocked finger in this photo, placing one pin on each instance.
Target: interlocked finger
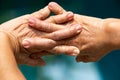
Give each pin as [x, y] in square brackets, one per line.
[65, 33]
[61, 18]
[56, 8]
[42, 13]
[63, 49]
[44, 26]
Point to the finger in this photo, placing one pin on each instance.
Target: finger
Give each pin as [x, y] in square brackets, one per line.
[42, 13]
[84, 58]
[80, 58]
[25, 59]
[69, 50]
[43, 25]
[37, 55]
[35, 62]
[38, 43]
[65, 33]
[56, 8]
[62, 18]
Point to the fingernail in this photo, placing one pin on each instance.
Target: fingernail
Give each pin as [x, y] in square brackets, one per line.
[70, 15]
[75, 52]
[31, 22]
[26, 43]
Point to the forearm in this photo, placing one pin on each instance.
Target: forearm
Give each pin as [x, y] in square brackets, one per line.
[8, 65]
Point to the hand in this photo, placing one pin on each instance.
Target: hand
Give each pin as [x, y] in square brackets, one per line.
[94, 41]
[18, 29]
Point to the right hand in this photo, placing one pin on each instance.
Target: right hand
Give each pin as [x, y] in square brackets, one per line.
[18, 30]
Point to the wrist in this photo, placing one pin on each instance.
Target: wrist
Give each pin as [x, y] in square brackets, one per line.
[12, 40]
[8, 66]
[113, 30]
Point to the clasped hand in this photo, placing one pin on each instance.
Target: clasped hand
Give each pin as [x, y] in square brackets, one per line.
[38, 34]
[41, 41]
[94, 41]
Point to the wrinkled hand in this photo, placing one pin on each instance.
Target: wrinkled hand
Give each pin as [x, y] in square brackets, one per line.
[93, 41]
[18, 30]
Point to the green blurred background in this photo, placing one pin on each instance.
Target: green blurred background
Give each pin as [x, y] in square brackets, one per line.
[64, 67]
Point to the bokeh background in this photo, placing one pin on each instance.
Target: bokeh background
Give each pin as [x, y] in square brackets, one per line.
[64, 67]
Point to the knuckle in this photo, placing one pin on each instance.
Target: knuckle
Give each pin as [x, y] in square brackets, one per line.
[41, 15]
[49, 27]
[55, 36]
[43, 26]
[60, 10]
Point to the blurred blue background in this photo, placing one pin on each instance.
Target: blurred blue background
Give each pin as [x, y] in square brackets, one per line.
[64, 67]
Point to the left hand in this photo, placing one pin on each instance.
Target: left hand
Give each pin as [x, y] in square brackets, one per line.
[94, 40]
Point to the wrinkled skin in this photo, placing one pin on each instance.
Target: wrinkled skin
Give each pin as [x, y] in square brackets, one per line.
[94, 41]
[18, 29]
